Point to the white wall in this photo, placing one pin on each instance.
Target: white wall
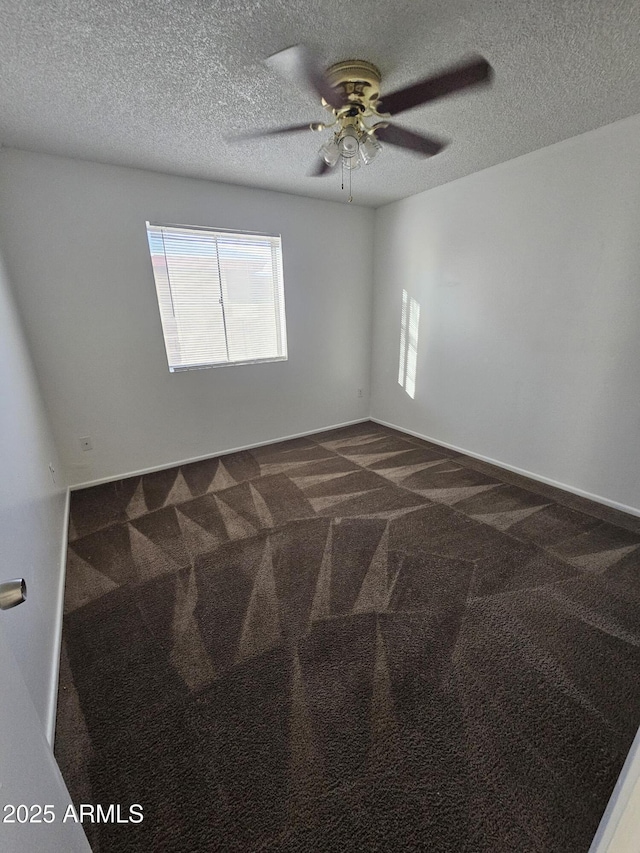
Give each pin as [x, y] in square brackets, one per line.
[32, 514]
[76, 246]
[528, 278]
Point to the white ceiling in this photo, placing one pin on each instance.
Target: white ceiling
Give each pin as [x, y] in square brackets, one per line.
[161, 85]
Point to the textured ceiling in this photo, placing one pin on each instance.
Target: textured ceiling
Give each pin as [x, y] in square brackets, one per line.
[161, 85]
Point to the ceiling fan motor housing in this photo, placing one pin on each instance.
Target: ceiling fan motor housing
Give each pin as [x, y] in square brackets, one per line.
[358, 79]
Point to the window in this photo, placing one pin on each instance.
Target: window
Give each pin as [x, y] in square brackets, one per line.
[221, 296]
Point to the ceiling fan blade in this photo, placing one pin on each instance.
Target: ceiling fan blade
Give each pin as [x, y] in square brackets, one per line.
[274, 131]
[322, 168]
[459, 77]
[297, 64]
[426, 145]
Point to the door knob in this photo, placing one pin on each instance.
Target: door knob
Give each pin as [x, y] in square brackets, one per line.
[12, 592]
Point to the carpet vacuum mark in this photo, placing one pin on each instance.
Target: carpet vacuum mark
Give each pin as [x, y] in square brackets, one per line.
[356, 641]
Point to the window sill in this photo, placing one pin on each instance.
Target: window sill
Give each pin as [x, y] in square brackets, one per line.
[183, 369]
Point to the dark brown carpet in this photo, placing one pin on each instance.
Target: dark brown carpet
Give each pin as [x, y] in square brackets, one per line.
[356, 641]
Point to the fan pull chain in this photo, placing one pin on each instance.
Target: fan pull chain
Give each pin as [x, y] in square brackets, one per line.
[350, 199]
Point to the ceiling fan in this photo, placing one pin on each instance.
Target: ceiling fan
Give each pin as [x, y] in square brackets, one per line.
[350, 91]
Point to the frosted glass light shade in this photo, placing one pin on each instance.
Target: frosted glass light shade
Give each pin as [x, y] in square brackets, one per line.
[330, 152]
[369, 149]
[349, 144]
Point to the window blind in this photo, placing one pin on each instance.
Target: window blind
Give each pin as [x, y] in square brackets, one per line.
[221, 296]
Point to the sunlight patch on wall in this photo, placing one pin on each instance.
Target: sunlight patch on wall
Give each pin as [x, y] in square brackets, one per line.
[409, 326]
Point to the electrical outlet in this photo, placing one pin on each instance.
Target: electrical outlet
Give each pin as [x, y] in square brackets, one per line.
[86, 443]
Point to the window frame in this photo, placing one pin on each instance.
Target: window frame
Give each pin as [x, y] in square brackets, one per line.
[278, 305]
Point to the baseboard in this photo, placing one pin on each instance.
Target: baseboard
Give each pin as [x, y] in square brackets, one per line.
[630, 510]
[176, 464]
[50, 725]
